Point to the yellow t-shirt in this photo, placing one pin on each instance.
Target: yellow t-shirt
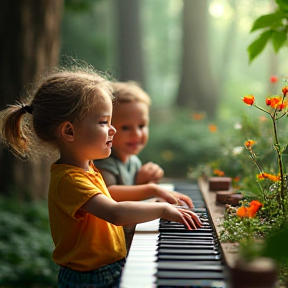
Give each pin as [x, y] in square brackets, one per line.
[82, 241]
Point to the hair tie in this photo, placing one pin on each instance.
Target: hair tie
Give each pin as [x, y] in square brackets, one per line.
[27, 108]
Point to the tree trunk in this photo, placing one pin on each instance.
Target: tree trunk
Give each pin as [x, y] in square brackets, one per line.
[196, 90]
[129, 41]
[30, 32]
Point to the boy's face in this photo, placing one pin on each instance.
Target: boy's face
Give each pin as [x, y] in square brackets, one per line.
[131, 122]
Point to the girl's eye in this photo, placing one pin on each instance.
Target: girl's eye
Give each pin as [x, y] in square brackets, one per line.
[104, 122]
[142, 126]
[125, 128]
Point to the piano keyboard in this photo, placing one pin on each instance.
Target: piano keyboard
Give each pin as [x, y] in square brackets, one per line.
[165, 254]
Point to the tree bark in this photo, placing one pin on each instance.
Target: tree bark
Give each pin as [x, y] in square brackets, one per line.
[129, 41]
[197, 89]
[30, 32]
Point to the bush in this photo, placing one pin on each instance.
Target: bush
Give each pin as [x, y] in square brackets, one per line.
[25, 245]
[183, 140]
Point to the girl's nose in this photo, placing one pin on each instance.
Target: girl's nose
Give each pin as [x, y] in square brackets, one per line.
[137, 132]
[112, 130]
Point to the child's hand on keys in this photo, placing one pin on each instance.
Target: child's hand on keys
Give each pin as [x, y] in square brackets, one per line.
[181, 215]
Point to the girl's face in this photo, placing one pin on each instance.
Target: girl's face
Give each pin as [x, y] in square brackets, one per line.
[131, 122]
[94, 133]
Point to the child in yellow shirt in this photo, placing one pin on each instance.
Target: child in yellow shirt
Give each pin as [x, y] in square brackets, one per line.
[70, 113]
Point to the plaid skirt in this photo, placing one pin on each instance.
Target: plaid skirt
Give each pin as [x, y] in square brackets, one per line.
[104, 277]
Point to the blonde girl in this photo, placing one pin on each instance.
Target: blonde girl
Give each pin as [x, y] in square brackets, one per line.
[71, 112]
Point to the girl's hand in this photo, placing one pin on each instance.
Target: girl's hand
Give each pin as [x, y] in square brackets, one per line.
[184, 216]
[149, 172]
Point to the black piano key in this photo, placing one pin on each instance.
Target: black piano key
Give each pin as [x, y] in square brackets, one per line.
[190, 266]
[173, 225]
[192, 275]
[171, 283]
[188, 234]
[187, 246]
[188, 257]
[184, 230]
[185, 251]
[185, 242]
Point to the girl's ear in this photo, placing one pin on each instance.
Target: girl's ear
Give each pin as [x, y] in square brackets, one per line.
[67, 131]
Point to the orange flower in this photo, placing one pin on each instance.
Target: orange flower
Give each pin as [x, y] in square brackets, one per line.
[242, 212]
[250, 211]
[273, 79]
[263, 118]
[282, 105]
[198, 116]
[263, 175]
[236, 179]
[285, 90]
[218, 172]
[212, 128]
[249, 99]
[276, 102]
[273, 101]
[255, 205]
[249, 143]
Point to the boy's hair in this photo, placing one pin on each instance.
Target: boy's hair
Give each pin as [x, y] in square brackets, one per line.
[58, 97]
[126, 92]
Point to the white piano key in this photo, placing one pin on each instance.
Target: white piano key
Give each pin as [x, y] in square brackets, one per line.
[149, 226]
[167, 186]
[141, 265]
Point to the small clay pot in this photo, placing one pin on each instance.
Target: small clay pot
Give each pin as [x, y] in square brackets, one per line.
[234, 199]
[221, 196]
[258, 273]
[219, 183]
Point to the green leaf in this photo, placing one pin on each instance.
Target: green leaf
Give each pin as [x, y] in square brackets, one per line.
[256, 47]
[276, 246]
[278, 39]
[272, 20]
[283, 5]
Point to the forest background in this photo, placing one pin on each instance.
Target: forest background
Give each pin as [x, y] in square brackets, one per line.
[189, 55]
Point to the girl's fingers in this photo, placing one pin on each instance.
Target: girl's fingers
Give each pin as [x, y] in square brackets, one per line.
[187, 218]
[194, 217]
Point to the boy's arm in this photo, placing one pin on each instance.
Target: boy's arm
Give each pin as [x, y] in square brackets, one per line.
[142, 192]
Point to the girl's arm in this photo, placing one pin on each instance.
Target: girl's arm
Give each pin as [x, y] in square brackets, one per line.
[129, 212]
[141, 192]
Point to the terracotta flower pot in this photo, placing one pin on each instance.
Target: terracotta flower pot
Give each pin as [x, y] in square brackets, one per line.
[258, 273]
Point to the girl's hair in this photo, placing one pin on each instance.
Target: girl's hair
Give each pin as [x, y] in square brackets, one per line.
[130, 91]
[59, 96]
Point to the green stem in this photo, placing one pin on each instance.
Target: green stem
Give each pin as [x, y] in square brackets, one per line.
[280, 164]
[255, 162]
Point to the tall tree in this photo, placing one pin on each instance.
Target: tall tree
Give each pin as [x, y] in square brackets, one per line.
[197, 89]
[30, 33]
[129, 41]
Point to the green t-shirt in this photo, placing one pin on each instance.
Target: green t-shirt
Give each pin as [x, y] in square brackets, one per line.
[124, 173]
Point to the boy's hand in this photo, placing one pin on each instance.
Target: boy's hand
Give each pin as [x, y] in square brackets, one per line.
[149, 172]
[183, 200]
